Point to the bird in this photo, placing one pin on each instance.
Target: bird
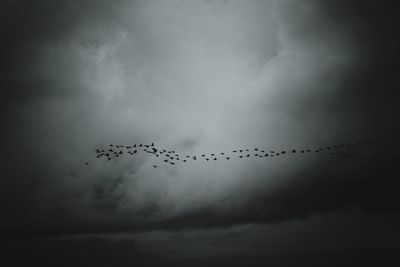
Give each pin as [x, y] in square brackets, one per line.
[248, 155]
[172, 163]
[283, 152]
[184, 160]
[241, 150]
[227, 158]
[240, 156]
[111, 145]
[87, 163]
[154, 166]
[152, 144]
[234, 151]
[222, 153]
[207, 159]
[294, 151]
[255, 149]
[215, 158]
[212, 154]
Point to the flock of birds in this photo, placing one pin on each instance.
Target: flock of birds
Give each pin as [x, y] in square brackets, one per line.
[172, 157]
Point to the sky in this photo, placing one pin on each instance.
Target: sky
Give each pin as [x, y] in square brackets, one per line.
[199, 77]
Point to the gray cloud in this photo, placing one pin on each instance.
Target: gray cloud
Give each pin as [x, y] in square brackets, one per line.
[197, 77]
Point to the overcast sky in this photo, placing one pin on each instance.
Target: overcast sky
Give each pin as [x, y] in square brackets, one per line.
[198, 77]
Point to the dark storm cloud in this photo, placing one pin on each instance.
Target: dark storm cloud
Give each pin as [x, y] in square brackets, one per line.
[198, 77]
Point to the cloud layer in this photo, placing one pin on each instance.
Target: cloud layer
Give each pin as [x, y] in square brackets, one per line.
[198, 77]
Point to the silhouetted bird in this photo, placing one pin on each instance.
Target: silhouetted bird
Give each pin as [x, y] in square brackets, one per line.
[111, 145]
[215, 158]
[172, 163]
[234, 151]
[302, 151]
[227, 158]
[184, 160]
[294, 151]
[87, 163]
[203, 155]
[255, 149]
[283, 152]
[154, 166]
[248, 155]
[207, 159]
[212, 154]
[222, 153]
[152, 144]
[241, 150]
[194, 157]
[240, 156]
